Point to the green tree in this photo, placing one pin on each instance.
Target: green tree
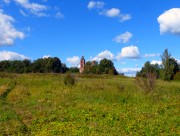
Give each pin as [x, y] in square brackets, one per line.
[105, 66]
[175, 64]
[4, 66]
[149, 68]
[74, 70]
[170, 66]
[27, 65]
[38, 66]
[64, 68]
[44, 65]
[56, 65]
[91, 67]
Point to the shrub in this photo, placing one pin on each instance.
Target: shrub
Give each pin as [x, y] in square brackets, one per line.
[147, 84]
[69, 79]
[177, 76]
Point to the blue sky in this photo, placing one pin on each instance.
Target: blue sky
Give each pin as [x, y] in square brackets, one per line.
[129, 32]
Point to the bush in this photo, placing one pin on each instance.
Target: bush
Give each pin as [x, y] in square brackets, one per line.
[69, 79]
[147, 84]
[177, 76]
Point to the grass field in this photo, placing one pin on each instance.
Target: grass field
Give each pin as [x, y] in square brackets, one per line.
[40, 104]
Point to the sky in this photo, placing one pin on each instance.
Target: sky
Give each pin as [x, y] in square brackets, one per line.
[128, 32]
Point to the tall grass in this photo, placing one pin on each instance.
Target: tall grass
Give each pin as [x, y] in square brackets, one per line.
[41, 104]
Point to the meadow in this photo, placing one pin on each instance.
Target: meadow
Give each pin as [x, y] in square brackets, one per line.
[42, 105]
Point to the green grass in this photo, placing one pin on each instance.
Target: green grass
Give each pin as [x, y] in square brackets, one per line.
[40, 104]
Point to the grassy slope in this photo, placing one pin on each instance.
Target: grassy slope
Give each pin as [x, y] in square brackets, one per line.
[40, 104]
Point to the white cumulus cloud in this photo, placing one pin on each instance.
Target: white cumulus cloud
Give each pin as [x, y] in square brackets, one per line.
[74, 61]
[114, 12]
[105, 54]
[8, 55]
[169, 21]
[124, 17]
[8, 32]
[178, 61]
[46, 56]
[95, 5]
[129, 71]
[123, 38]
[151, 55]
[129, 52]
[156, 62]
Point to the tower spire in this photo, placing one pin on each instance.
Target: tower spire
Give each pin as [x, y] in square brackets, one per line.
[82, 64]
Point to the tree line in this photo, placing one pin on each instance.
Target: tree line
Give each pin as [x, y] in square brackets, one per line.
[169, 70]
[54, 65]
[42, 65]
[105, 66]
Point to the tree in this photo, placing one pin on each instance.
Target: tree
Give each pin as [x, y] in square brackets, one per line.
[91, 67]
[170, 66]
[4, 66]
[175, 64]
[27, 65]
[37, 66]
[56, 65]
[105, 66]
[113, 71]
[64, 68]
[149, 68]
[45, 65]
[74, 70]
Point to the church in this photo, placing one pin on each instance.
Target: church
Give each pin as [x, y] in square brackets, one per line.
[82, 64]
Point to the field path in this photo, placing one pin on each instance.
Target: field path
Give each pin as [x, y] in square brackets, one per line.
[9, 108]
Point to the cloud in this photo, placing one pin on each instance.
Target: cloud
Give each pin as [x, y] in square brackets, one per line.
[74, 61]
[178, 61]
[160, 62]
[23, 13]
[8, 33]
[129, 52]
[27, 29]
[124, 17]
[95, 5]
[169, 21]
[7, 55]
[46, 56]
[151, 55]
[129, 71]
[105, 54]
[114, 12]
[123, 38]
[33, 8]
[59, 15]
[7, 1]
[156, 62]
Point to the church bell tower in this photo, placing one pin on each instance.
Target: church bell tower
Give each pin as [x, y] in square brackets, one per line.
[82, 64]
